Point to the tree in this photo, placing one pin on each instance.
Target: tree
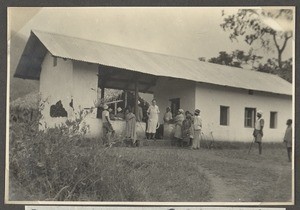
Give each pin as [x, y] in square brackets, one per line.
[254, 26]
[224, 58]
[237, 58]
[271, 67]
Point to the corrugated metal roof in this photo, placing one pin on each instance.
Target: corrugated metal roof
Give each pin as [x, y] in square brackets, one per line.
[159, 64]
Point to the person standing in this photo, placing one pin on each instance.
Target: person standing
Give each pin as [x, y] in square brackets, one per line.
[139, 117]
[187, 129]
[288, 139]
[152, 113]
[130, 129]
[168, 116]
[258, 130]
[106, 125]
[197, 130]
[167, 120]
[178, 127]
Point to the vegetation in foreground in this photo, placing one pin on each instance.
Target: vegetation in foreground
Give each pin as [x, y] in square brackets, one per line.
[61, 165]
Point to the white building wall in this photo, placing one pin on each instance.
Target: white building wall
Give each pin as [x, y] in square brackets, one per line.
[85, 83]
[167, 89]
[78, 81]
[56, 84]
[209, 98]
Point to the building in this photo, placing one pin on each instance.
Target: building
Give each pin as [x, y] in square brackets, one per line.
[71, 69]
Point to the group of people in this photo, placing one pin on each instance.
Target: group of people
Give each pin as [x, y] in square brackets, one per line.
[187, 131]
[258, 134]
[188, 126]
[128, 116]
[131, 119]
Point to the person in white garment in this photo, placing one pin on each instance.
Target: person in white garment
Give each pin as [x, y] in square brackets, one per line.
[197, 130]
[152, 113]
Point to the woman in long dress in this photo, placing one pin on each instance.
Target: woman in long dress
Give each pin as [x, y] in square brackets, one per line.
[130, 129]
[152, 113]
[197, 130]
[178, 127]
[187, 129]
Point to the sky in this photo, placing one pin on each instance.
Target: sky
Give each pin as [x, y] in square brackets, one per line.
[189, 32]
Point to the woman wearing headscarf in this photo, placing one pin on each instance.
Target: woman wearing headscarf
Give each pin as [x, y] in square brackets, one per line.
[130, 129]
[178, 127]
[187, 129]
[197, 130]
[152, 113]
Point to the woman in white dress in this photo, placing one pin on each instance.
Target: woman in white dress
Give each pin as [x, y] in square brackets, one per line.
[152, 113]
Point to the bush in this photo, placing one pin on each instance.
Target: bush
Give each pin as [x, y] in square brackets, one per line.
[58, 164]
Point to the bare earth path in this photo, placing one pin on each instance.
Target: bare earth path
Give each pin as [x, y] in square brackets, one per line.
[235, 184]
[222, 192]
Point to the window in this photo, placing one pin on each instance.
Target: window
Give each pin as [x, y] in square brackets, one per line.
[224, 115]
[250, 117]
[273, 119]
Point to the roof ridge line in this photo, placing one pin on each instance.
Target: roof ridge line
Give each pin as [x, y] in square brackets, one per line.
[115, 45]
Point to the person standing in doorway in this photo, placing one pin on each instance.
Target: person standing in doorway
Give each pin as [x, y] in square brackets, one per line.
[197, 130]
[288, 139]
[152, 113]
[258, 130]
[107, 128]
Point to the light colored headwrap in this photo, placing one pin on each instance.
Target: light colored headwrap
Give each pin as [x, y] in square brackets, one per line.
[105, 106]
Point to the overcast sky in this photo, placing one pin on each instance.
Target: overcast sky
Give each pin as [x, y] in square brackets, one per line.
[185, 32]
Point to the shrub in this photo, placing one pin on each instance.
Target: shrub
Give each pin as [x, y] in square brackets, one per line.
[58, 164]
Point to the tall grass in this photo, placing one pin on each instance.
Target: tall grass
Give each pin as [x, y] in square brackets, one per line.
[60, 164]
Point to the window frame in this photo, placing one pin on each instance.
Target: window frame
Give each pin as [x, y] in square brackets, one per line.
[275, 119]
[227, 111]
[252, 118]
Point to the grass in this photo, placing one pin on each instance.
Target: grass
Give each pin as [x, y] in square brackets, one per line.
[60, 165]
